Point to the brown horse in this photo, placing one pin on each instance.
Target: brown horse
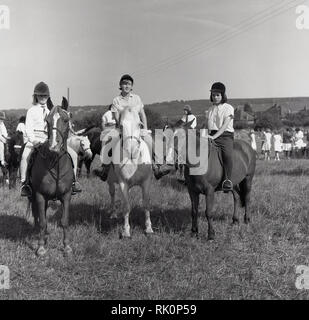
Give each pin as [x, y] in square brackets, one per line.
[51, 175]
[244, 159]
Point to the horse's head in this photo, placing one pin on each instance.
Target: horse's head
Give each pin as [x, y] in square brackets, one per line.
[130, 126]
[16, 143]
[58, 126]
[85, 147]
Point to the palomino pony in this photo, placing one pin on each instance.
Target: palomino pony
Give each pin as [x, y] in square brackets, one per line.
[81, 145]
[51, 175]
[244, 161]
[133, 169]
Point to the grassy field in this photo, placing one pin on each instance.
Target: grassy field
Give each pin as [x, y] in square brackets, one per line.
[244, 262]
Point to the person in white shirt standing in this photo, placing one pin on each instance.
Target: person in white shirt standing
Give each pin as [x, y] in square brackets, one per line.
[188, 116]
[36, 132]
[3, 138]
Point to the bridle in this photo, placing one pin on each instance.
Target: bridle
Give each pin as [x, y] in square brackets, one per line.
[82, 147]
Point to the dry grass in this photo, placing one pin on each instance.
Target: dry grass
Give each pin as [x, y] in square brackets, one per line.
[244, 262]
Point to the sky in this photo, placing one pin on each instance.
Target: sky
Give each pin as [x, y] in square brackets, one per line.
[174, 49]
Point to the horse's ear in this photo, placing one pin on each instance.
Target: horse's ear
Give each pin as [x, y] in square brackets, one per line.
[50, 104]
[65, 104]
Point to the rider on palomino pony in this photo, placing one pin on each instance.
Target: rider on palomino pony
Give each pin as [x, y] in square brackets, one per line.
[124, 100]
[36, 132]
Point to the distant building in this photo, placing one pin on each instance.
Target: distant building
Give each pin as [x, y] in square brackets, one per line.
[243, 117]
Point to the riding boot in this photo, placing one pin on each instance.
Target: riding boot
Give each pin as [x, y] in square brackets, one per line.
[76, 187]
[26, 190]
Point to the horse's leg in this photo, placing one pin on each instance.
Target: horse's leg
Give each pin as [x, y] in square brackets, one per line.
[65, 201]
[88, 165]
[125, 194]
[111, 189]
[245, 191]
[210, 195]
[40, 207]
[146, 205]
[236, 197]
[195, 198]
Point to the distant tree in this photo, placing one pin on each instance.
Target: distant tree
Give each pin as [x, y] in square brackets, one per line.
[154, 120]
[11, 122]
[268, 120]
[88, 120]
[248, 108]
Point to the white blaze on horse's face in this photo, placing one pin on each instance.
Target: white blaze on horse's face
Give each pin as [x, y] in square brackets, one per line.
[56, 117]
[85, 146]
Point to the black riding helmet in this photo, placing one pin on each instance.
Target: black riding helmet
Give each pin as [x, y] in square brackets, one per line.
[126, 77]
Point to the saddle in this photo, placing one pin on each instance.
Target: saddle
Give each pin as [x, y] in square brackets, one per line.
[214, 151]
[39, 149]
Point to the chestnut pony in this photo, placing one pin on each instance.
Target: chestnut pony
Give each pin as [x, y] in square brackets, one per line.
[51, 174]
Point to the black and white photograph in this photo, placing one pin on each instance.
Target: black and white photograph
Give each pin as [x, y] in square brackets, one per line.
[154, 152]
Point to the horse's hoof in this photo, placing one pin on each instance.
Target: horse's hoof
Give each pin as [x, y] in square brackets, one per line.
[246, 220]
[34, 245]
[194, 235]
[67, 251]
[235, 222]
[124, 235]
[41, 251]
[149, 232]
[211, 237]
[113, 216]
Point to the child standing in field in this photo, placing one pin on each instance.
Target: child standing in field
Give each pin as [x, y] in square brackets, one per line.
[287, 142]
[252, 139]
[220, 125]
[277, 145]
[267, 144]
[3, 138]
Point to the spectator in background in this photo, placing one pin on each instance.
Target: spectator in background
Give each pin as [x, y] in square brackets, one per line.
[252, 139]
[287, 142]
[267, 144]
[3, 138]
[299, 136]
[188, 116]
[277, 144]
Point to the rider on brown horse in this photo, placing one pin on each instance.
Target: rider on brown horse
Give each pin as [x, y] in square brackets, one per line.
[36, 131]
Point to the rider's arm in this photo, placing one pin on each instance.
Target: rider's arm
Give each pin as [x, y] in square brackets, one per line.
[223, 128]
[143, 118]
[29, 126]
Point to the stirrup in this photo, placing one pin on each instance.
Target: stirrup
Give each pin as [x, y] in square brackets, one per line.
[26, 190]
[227, 185]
